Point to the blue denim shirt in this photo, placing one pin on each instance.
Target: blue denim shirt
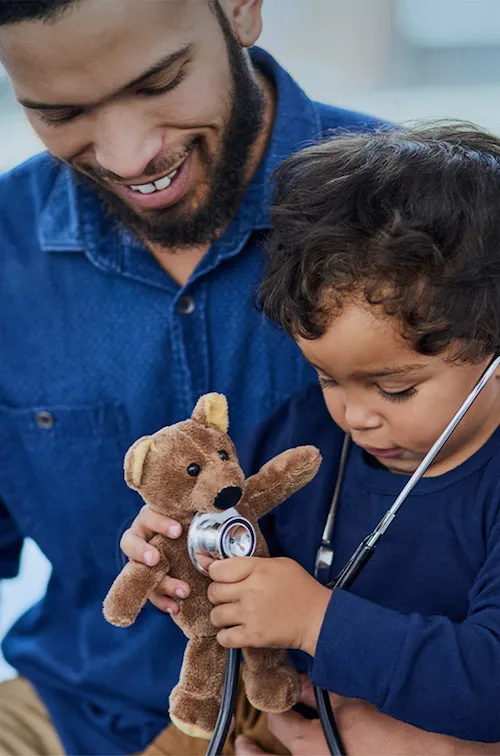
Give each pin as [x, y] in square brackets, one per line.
[98, 346]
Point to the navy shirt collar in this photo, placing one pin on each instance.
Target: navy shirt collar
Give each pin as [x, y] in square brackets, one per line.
[72, 219]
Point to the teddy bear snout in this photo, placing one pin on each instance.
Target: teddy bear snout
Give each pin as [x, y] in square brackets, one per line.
[228, 497]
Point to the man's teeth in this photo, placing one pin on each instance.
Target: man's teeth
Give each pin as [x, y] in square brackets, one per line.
[156, 186]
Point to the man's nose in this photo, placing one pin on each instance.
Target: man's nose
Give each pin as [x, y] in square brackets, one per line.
[125, 143]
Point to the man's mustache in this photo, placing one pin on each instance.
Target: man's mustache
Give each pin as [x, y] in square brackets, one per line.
[160, 166]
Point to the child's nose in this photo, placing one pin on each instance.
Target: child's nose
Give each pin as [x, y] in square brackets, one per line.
[358, 417]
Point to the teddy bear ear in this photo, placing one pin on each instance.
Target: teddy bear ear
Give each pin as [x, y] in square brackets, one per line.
[211, 409]
[134, 461]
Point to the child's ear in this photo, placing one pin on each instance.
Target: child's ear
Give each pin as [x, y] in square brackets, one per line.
[134, 461]
[211, 409]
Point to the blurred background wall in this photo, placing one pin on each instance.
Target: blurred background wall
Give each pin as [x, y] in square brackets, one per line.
[399, 59]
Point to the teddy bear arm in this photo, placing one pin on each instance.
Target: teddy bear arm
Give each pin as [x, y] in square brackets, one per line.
[278, 479]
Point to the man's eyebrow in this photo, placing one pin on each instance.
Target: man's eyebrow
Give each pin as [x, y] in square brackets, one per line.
[159, 67]
[383, 372]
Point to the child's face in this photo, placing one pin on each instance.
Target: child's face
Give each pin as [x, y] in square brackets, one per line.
[394, 401]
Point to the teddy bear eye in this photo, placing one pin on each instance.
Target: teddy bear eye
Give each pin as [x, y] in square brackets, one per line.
[194, 470]
[223, 455]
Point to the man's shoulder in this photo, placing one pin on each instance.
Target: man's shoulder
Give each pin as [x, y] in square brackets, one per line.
[24, 194]
[333, 118]
[34, 173]
[24, 190]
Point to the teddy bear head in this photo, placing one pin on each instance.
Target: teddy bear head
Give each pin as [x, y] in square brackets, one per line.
[188, 467]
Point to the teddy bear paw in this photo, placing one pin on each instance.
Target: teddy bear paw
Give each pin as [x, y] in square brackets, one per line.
[194, 714]
[276, 692]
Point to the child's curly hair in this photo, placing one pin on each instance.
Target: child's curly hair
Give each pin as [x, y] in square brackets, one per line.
[408, 219]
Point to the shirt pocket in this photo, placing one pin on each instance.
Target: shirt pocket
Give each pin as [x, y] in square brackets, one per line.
[61, 478]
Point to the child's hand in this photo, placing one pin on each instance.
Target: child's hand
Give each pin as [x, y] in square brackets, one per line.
[135, 545]
[272, 603]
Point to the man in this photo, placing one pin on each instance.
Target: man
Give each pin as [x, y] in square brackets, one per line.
[130, 258]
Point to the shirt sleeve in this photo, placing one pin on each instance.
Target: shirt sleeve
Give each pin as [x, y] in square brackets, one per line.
[433, 673]
[11, 542]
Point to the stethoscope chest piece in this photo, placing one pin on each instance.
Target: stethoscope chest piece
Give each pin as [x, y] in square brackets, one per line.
[220, 536]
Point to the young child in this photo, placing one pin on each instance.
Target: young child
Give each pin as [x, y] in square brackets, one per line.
[385, 269]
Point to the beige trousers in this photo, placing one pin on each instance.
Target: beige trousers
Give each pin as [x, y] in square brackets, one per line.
[25, 726]
[26, 729]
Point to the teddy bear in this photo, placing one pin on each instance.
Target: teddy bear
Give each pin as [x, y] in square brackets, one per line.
[184, 469]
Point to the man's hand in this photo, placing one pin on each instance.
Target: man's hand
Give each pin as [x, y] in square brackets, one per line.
[302, 737]
[272, 603]
[135, 545]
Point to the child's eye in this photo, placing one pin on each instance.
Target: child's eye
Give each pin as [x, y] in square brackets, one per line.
[398, 396]
[327, 382]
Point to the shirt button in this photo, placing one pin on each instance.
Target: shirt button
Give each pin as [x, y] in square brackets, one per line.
[185, 305]
[44, 420]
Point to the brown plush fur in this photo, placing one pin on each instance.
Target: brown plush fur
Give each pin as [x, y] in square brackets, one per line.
[156, 466]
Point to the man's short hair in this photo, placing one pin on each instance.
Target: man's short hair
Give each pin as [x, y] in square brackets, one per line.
[405, 218]
[14, 11]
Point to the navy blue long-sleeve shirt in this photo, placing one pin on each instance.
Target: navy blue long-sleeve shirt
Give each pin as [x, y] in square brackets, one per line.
[418, 635]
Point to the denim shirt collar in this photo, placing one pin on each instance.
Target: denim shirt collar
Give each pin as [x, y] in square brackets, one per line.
[72, 219]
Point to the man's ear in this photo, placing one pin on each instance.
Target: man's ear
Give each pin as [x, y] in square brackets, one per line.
[245, 17]
[211, 409]
[134, 461]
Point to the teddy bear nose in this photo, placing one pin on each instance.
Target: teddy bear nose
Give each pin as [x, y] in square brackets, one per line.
[228, 497]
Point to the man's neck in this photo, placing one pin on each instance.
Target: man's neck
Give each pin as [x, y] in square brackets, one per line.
[180, 264]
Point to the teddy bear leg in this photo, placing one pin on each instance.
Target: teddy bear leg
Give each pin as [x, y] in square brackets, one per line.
[271, 683]
[195, 700]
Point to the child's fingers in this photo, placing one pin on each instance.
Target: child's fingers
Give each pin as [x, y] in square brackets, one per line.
[138, 550]
[148, 522]
[231, 570]
[174, 588]
[223, 593]
[225, 615]
[135, 540]
[204, 561]
[233, 637]
[164, 604]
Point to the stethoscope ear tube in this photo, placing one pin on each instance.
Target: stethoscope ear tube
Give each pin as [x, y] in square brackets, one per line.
[345, 579]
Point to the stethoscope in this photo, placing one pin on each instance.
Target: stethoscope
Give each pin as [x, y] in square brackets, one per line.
[345, 579]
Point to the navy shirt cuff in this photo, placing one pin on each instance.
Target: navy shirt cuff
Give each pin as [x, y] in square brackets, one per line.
[358, 649]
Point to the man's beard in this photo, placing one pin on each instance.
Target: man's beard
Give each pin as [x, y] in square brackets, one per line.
[174, 228]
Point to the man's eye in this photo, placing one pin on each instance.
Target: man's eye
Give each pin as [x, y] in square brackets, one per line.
[58, 118]
[154, 91]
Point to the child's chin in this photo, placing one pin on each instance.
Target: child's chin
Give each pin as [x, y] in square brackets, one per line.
[400, 466]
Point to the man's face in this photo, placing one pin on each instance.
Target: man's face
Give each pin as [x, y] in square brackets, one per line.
[152, 100]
